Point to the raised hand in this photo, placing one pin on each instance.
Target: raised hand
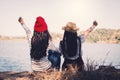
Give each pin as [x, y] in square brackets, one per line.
[20, 20]
[91, 28]
[95, 23]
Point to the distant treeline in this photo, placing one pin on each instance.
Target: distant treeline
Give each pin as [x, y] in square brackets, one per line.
[12, 38]
[97, 36]
[104, 36]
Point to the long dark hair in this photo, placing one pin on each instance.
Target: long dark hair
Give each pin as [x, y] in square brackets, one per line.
[39, 44]
[70, 39]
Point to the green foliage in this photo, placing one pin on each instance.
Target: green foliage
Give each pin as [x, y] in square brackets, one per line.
[104, 35]
[96, 36]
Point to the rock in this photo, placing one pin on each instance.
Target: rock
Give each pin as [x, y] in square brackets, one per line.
[104, 68]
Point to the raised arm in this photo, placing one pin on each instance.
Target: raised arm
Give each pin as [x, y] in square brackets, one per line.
[91, 28]
[27, 30]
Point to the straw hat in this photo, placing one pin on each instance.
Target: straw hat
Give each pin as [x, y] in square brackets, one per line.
[70, 26]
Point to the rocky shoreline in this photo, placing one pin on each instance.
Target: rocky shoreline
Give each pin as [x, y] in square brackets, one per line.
[102, 73]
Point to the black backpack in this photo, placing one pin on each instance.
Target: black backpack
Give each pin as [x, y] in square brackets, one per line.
[64, 49]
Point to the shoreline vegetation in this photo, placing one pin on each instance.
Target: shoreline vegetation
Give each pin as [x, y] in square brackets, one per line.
[111, 36]
[91, 73]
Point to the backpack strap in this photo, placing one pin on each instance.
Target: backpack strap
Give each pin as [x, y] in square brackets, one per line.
[63, 47]
[79, 44]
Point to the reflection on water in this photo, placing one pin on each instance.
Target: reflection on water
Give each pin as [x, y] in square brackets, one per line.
[14, 56]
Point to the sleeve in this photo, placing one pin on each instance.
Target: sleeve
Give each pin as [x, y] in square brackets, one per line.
[27, 30]
[61, 48]
[82, 37]
[28, 33]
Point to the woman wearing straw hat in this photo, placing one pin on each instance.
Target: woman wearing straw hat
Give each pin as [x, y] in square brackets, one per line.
[70, 46]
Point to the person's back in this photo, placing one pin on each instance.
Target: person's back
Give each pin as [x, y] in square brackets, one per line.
[39, 44]
[40, 39]
[71, 47]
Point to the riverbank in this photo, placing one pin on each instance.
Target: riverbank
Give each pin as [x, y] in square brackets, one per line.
[102, 73]
[111, 36]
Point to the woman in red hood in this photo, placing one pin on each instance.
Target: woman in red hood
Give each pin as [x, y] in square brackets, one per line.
[40, 39]
[38, 44]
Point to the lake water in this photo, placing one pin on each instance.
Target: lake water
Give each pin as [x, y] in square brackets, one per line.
[14, 56]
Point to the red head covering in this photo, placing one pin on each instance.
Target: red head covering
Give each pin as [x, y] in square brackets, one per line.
[40, 24]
